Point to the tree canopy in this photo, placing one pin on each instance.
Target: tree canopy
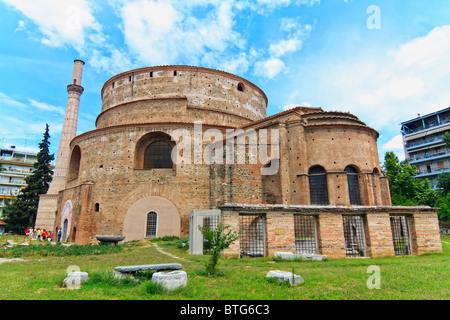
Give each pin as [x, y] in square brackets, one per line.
[405, 189]
[21, 213]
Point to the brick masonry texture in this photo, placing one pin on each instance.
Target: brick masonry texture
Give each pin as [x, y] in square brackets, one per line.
[112, 193]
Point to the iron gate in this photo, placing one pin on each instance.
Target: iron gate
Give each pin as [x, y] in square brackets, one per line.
[252, 235]
[209, 222]
[355, 242]
[400, 235]
[305, 234]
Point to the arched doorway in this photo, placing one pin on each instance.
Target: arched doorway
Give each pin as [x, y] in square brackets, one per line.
[66, 218]
[150, 217]
[65, 230]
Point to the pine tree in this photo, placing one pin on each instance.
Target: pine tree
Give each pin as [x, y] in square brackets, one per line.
[21, 213]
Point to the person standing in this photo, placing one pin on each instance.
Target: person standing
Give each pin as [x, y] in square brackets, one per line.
[59, 234]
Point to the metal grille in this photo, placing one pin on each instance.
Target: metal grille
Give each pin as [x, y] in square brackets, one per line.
[400, 235]
[355, 244]
[305, 234]
[158, 155]
[353, 186]
[252, 235]
[209, 222]
[152, 218]
[318, 186]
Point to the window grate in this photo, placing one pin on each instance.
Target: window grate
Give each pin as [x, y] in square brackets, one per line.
[305, 234]
[400, 235]
[355, 244]
[252, 235]
[318, 189]
[209, 222]
[353, 186]
[158, 155]
[152, 218]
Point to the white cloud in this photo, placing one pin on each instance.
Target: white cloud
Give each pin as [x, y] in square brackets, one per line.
[43, 106]
[395, 145]
[8, 102]
[61, 22]
[389, 89]
[285, 46]
[269, 68]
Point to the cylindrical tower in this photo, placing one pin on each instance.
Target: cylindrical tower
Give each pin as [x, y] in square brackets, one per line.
[69, 129]
[48, 203]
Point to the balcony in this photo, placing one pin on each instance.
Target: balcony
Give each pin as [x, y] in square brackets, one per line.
[430, 157]
[18, 160]
[432, 172]
[426, 142]
[427, 126]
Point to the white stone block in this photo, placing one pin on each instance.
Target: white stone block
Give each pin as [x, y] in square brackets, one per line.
[284, 276]
[170, 280]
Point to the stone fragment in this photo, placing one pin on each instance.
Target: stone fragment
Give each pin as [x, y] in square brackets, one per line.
[157, 267]
[170, 280]
[284, 276]
[299, 256]
[75, 279]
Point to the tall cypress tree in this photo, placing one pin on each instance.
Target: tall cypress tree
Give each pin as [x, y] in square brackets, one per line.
[21, 213]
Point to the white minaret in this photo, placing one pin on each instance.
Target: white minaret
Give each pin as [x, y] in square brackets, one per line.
[48, 202]
[69, 130]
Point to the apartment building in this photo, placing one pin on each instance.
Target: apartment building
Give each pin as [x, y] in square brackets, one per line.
[15, 166]
[424, 146]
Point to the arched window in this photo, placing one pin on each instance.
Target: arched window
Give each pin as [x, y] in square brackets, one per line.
[152, 222]
[74, 164]
[154, 151]
[240, 87]
[271, 183]
[318, 189]
[158, 155]
[353, 185]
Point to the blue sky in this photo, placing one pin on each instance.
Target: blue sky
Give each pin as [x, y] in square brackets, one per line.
[319, 53]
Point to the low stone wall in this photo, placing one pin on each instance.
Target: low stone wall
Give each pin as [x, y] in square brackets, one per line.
[421, 235]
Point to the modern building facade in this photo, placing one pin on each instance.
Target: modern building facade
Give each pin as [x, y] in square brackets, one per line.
[15, 166]
[424, 146]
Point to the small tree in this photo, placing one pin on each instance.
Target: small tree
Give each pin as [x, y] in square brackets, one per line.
[218, 239]
[21, 213]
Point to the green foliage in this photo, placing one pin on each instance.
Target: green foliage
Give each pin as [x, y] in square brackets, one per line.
[444, 204]
[409, 191]
[446, 137]
[218, 239]
[405, 189]
[44, 250]
[182, 243]
[444, 182]
[21, 213]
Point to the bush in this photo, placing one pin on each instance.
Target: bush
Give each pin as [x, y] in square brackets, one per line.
[183, 243]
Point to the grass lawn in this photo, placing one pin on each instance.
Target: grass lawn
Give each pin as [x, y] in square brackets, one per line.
[425, 277]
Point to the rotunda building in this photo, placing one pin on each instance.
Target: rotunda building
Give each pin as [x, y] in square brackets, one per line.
[178, 147]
